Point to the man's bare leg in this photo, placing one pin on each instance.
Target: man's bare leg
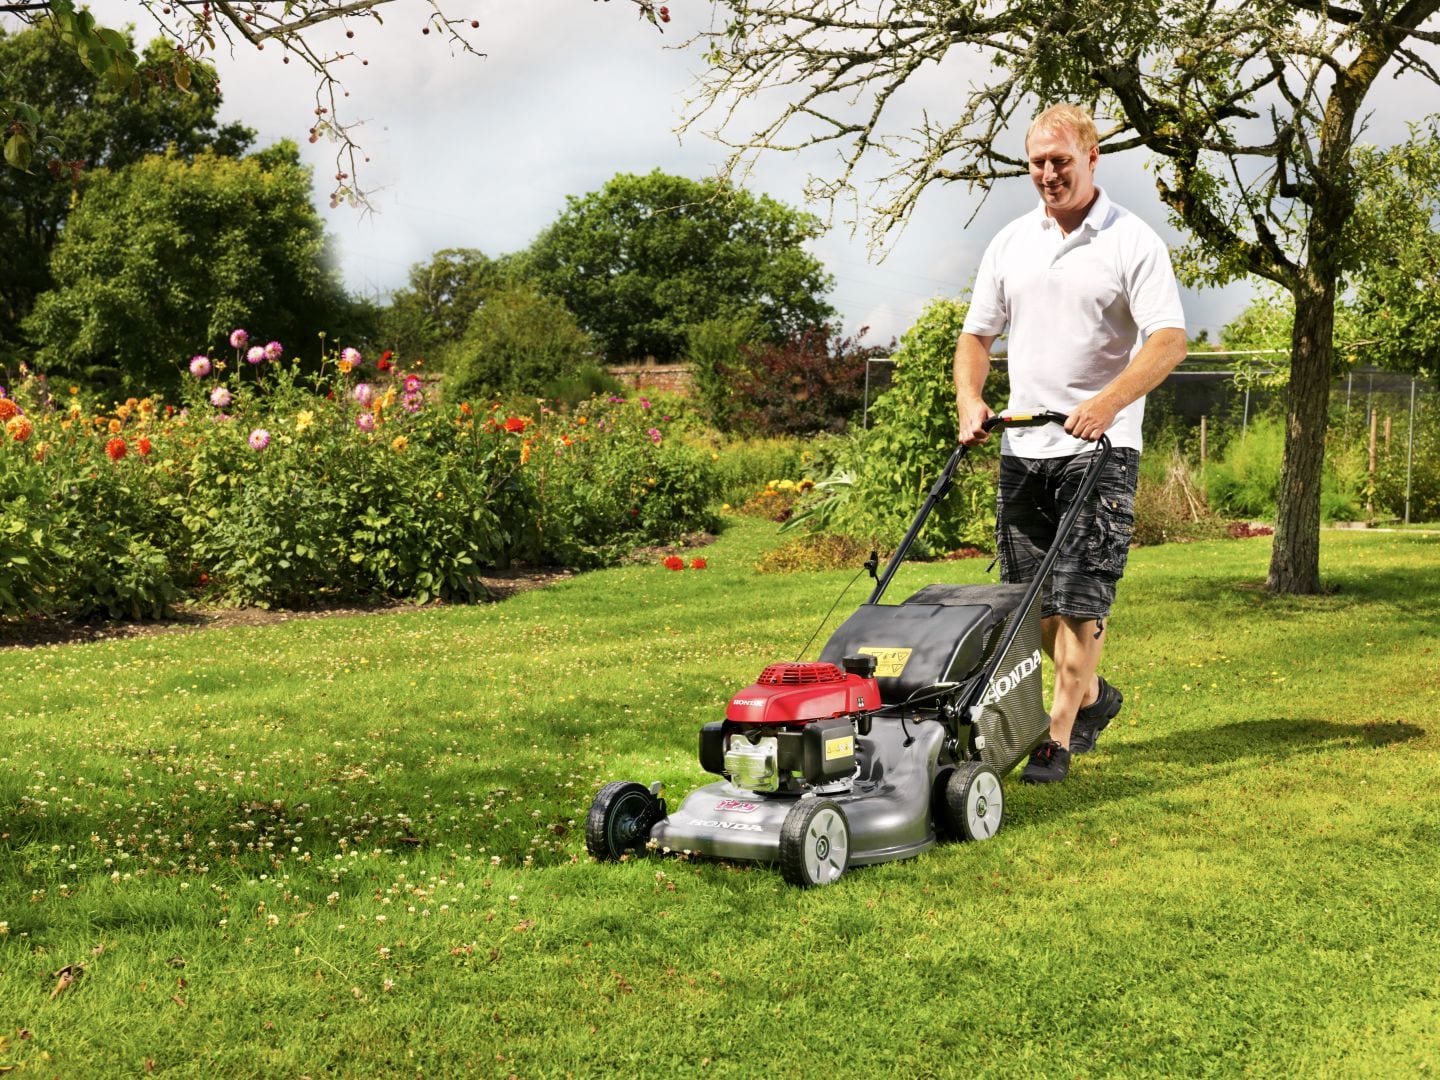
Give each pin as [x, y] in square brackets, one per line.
[1074, 646]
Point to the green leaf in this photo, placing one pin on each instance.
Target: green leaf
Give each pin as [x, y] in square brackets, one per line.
[18, 151]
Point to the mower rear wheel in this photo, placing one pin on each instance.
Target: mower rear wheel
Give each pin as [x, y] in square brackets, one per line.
[620, 819]
[814, 843]
[974, 801]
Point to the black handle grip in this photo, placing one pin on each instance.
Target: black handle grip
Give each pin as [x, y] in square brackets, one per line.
[1035, 419]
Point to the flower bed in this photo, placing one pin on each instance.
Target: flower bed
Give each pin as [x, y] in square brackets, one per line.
[266, 483]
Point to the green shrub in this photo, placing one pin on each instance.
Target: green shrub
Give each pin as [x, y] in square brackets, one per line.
[1245, 481]
[883, 474]
[520, 341]
[715, 350]
[744, 466]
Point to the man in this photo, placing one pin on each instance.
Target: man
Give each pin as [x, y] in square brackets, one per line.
[1078, 282]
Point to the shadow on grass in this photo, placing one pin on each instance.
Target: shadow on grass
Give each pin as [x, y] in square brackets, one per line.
[1274, 738]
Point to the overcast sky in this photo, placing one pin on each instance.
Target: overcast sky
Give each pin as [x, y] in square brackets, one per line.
[472, 152]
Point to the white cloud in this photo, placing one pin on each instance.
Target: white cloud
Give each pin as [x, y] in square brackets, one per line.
[481, 153]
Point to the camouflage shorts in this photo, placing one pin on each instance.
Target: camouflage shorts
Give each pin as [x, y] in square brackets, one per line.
[1034, 495]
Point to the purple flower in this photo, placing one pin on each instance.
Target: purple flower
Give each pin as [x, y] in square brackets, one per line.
[645, 403]
[200, 366]
[220, 397]
[239, 339]
[351, 357]
[259, 439]
[363, 393]
[365, 422]
[412, 402]
[412, 384]
[655, 435]
[274, 351]
[256, 354]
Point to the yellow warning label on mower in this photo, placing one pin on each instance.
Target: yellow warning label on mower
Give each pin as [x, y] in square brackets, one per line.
[889, 663]
[840, 748]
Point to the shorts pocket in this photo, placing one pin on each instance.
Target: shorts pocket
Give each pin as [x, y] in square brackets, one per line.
[1107, 542]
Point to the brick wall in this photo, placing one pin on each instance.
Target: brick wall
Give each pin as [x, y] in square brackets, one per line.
[657, 378]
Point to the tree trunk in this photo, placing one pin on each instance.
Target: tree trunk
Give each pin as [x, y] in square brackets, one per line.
[1295, 561]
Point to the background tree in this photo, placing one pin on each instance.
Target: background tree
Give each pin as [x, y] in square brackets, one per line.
[161, 259]
[1396, 303]
[442, 296]
[196, 31]
[1251, 112]
[646, 257]
[99, 127]
[519, 342]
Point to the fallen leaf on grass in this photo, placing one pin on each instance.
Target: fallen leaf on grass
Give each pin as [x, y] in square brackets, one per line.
[524, 925]
[67, 976]
[179, 1001]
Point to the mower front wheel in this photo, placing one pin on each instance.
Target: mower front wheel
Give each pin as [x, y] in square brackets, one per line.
[814, 843]
[620, 819]
[974, 801]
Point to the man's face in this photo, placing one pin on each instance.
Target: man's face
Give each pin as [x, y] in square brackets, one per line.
[1062, 172]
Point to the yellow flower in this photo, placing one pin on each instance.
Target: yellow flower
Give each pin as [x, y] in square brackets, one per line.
[116, 425]
[303, 420]
[345, 366]
[399, 443]
[123, 411]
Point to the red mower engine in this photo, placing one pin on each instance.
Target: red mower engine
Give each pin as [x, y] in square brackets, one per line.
[793, 727]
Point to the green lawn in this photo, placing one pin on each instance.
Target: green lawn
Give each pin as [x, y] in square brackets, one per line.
[354, 846]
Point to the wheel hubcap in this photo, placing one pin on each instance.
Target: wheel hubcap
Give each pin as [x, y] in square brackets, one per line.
[825, 852]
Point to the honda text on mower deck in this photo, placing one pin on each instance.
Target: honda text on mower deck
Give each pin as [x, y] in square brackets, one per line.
[899, 733]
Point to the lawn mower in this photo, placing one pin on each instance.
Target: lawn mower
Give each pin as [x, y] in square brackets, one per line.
[898, 734]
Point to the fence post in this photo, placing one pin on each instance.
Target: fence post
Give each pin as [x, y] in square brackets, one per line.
[1410, 450]
[1370, 493]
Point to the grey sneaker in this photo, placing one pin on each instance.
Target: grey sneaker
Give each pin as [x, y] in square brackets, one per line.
[1049, 764]
[1095, 718]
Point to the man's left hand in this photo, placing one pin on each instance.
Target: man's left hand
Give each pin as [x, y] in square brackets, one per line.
[1091, 419]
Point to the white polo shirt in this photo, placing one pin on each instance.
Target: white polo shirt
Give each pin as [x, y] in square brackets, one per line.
[1077, 308]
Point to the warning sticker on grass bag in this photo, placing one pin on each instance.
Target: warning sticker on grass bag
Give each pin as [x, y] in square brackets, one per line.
[840, 748]
[889, 663]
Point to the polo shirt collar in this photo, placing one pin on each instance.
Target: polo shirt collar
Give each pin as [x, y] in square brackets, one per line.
[1094, 220]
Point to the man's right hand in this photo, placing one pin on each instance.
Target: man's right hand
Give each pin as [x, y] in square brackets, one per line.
[972, 416]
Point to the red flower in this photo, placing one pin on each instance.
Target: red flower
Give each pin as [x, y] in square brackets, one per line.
[697, 563]
[674, 562]
[384, 364]
[142, 444]
[116, 449]
[515, 424]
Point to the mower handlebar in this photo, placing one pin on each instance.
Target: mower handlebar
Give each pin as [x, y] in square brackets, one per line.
[1035, 419]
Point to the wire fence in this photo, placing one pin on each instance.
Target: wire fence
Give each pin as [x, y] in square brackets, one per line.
[1205, 403]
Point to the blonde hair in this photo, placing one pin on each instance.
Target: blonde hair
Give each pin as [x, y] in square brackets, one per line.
[1064, 117]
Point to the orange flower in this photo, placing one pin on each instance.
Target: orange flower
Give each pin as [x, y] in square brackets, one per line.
[115, 426]
[116, 449]
[18, 428]
[8, 409]
[697, 563]
[515, 424]
[142, 444]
